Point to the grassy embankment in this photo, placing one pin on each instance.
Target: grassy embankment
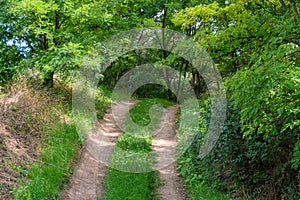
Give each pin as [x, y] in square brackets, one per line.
[58, 150]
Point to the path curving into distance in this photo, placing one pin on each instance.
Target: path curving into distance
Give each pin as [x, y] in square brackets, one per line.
[87, 180]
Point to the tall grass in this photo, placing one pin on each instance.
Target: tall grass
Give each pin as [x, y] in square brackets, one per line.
[59, 148]
[47, 178]
[24, 110]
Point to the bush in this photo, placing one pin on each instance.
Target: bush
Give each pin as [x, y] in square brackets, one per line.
[257, 154]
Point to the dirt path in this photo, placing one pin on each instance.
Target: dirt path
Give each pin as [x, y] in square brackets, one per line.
[87, 180]
[164, 144]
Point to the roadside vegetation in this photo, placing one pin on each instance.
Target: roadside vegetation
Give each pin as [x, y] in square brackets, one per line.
[39, 142]
[25, 115]
[45, 180]
[254, 44]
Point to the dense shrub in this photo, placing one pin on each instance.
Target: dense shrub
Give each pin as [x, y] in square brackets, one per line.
[10, 58]
[257, 154]
[243, 166]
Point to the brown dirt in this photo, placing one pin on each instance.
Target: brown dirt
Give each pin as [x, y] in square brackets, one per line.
[164, 145]
[12, 153]
[23, 114]
[87, 180]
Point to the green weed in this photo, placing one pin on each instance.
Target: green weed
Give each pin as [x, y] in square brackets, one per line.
[46, 179]
[201, 191]
[190, 166]
[102, 101]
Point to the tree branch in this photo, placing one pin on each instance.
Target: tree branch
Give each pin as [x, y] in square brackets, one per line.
[283, 4]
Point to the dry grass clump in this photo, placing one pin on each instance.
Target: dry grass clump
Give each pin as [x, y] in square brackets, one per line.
[25, 111]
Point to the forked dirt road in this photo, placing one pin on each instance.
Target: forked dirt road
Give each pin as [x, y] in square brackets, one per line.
[88, 177]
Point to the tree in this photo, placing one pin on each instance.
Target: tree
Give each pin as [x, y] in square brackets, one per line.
[11, 51]
[256, 46]
[61, 32]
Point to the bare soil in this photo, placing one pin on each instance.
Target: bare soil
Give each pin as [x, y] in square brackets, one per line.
[88, 178]
[164, 145]
[14, 151]
[18, 148]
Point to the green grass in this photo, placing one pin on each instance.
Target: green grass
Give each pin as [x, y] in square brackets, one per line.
[102, 101]
[131, 186]
[140, 112]
[189, 166]
[46, 179]
[202, 191]
[146, 114]
[132, 154]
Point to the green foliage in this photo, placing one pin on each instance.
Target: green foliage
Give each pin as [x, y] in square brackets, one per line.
[152, 91]
[234, 33]
[191, 167]
[296, 156]
[10, 54]
[275, 106]
[242, 165]
[256, 46]
[102, 101]
[48, 178]
[58, 34]
[9, 60]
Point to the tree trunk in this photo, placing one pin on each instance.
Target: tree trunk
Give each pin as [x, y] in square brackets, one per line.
[49, 79]
[164, 54]
[49, 75]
